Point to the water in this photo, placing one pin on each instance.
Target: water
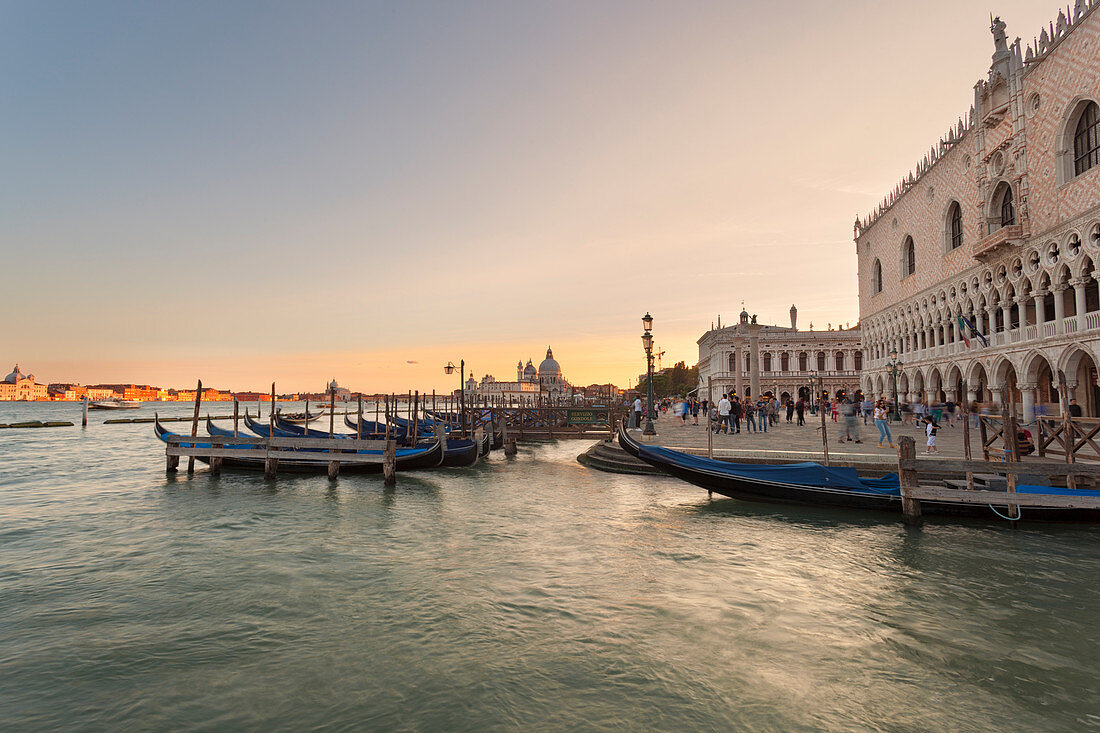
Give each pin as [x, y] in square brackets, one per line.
[525, 593]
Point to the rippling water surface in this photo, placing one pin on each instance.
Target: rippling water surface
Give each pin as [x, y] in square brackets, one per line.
[528, 592]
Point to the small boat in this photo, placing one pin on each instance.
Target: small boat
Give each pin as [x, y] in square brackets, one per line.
[370, 427]
[298, 418]
[814, 484]
[114, 404]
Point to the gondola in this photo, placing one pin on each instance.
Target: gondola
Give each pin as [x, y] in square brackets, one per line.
[813, 484]
[316, 460]
[377, 430]
[297, 418]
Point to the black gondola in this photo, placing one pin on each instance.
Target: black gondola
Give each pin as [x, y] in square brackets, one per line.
[814, 484]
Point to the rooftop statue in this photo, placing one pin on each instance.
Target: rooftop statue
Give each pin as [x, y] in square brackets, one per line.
[1000, 40]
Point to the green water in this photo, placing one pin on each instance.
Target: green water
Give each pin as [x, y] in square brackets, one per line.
[526, 593]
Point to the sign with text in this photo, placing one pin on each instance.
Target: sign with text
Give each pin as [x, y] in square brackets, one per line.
[586, 417]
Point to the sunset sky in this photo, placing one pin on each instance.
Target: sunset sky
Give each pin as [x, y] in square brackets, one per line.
[290, 191]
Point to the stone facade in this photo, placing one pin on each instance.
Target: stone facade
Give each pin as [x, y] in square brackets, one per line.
[19, 387]
[753, 359]
[997, 225]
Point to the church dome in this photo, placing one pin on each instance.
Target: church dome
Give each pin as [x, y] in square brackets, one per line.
[529, 370]
[549, 366]
[15, 375]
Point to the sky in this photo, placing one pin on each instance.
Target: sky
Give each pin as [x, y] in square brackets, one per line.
[246, 192]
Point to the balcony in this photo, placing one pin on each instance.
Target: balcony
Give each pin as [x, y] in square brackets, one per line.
[995, 244]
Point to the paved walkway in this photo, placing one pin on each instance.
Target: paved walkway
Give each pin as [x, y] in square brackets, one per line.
[788, 440]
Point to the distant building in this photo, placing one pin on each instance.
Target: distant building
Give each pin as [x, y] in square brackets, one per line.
[18, 387]
[752, 359]
[531, 386]
[342, 394]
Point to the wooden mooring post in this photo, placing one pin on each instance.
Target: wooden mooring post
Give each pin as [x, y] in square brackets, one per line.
[710, 406]
[236, 418]
[1069, 436]
[907, 453]
[966, 435]
[389, 462]
[824, 432]
[84, 417]
[195, 425]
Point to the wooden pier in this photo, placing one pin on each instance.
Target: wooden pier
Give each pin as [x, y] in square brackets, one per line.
[334, 452]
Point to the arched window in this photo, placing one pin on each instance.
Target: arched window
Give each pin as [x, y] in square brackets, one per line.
[955, 225]
[733, 362]
[802, 361]
[1008, 211]
[1086, 140]
[785, 362]
[839, 361]
[858, 360]
[767, 362]
[821, 361]
[908, 257]
[876, 278]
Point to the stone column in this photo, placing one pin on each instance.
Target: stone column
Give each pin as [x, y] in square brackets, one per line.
[739, 362]
[1059, 307]
[971, 396]
[1006, 314]
[1027, 392]
[1040, 311]
[979, 322]
[1021, 302]
[754, 367]
[1079, 300]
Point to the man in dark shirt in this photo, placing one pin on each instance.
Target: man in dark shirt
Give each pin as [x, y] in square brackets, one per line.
[1074, 409]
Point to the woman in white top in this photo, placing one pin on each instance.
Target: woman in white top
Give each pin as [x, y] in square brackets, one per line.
[881, 415]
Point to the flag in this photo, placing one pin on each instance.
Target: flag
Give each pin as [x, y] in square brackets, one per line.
[965, 323]
[962, 331]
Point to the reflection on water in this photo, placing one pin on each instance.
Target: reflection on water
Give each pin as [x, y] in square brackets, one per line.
[527, 592]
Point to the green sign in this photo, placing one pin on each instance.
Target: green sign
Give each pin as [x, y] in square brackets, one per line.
[586, 417]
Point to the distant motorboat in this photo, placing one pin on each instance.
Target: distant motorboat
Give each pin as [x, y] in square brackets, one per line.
[114, 405]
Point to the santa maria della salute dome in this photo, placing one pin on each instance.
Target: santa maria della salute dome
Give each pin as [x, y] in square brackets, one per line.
[532, 383]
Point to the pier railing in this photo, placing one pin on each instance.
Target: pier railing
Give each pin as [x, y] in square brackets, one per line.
[545, 422]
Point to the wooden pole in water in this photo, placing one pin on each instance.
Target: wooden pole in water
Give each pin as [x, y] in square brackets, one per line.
[710, 433]
[389, 463]
[966, 437]
[195, 426]
[331, 415]
[359, 419]
[1069, 434]
[271, 412]
[84, 417]
[236, 418]
[907, 454]
[306, 423]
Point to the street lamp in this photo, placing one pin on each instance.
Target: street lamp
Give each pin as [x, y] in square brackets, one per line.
[647, 344]
[895, 366]
[450, 369]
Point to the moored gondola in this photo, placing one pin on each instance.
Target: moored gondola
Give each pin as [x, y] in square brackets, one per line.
[427, 455]
[814, 484]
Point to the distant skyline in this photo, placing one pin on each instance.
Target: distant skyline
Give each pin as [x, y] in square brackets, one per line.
[248, 192]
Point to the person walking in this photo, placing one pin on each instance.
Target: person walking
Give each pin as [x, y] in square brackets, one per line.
[724, 414]
[850, 409]
[762, 415]
[867, 408]
[706, 408]
[694, 411]
[930, 429]
[790, 409]
[735, 413]
[833, 409]
[800, 409]
[637, 413]
[880, 416]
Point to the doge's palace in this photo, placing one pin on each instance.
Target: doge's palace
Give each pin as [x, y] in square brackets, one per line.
[999, 224]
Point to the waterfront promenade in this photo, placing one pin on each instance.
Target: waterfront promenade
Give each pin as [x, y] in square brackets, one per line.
[792, 442]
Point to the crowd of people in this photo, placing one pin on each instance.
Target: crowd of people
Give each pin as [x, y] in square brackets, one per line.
[731, 414]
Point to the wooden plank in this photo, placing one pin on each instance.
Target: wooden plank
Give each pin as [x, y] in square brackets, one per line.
[1003, 498]
[319, 457]
[1045, 468]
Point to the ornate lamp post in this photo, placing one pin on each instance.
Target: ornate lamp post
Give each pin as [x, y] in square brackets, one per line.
[647, 344]
[895, 366]
[450, 369]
